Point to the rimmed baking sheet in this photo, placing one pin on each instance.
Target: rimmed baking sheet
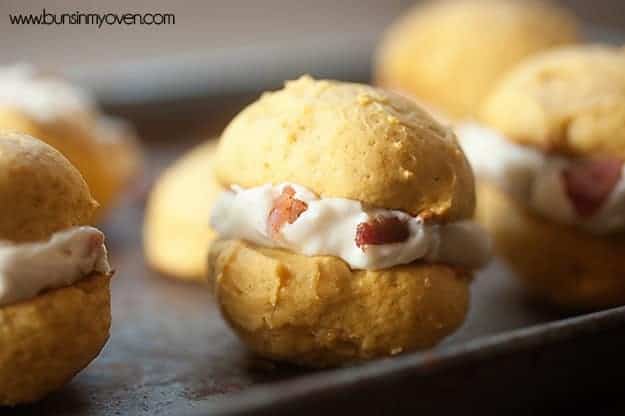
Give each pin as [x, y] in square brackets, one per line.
[171, 353]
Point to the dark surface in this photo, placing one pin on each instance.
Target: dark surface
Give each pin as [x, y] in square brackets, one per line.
[170, 352]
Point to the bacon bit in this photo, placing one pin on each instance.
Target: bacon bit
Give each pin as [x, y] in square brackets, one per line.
[589, 183]
[381, 230]
[94, 243]
[286, 208]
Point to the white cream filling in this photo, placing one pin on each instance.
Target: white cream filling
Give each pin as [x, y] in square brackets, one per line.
[535, 179]
[329, 225]
[27, 269]
[44, 99]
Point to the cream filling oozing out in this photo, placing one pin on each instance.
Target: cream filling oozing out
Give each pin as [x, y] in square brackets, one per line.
[27, 269]
[329, 226]
[535, 179]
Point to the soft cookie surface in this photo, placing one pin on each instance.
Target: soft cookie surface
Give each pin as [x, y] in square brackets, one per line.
[104, 152]
[451, 53]
[40, 191]
[47, 340]
[48, 107]
[351, 141]
[315, 311]
[570, 101]
[560, 264]
[176, 232]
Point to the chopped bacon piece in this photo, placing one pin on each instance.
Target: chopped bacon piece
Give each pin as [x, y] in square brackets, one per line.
[381, 230]
[589, 183]
[94, 243]
[286, 208]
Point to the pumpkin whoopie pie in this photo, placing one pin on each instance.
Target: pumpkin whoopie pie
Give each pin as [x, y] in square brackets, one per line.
[552, 183]
[54, 273]
[345, 232]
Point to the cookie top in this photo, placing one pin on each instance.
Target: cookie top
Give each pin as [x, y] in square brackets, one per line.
[569, 101]
[40, 191]
[350, 141]
[450, 53]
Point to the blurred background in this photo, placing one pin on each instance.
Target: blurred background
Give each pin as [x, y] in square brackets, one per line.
[218, 46]
[219, 54]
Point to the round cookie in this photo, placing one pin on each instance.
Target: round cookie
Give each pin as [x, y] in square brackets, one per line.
[176, 230]
[316, 311]
[350, 141]
[52, 194]
[570, 101]
[451, 53]
[559, 264]
[47, 340]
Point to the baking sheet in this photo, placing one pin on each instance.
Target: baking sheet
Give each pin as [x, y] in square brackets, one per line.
[170, 352]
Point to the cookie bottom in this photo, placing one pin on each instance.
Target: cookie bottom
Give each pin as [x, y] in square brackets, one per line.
[316, 311]
[560, 265]
[47, 340]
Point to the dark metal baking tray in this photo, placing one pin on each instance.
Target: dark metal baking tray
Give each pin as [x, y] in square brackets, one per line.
[170, 352]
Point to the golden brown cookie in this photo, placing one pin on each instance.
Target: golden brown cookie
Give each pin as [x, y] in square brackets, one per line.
[47, 340]
[570, 100]
[450, 53]
[316, 311]
[350, 141]
[104, 150]
[52, 194]
[559, 264]
[176, 230]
